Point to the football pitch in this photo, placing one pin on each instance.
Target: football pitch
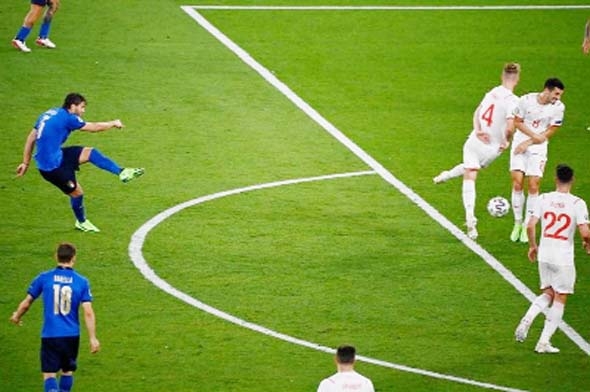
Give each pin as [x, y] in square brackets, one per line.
[288, 204]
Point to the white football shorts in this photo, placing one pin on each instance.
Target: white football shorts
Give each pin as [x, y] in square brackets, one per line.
[531, 164]
[477, 154]
[560, 277]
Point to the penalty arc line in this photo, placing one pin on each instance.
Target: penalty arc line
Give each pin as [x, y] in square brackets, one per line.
[135, 252]
[571, 333]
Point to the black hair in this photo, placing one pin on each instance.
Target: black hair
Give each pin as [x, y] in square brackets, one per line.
[564, 173]
[73, 99]
[65, 252]
[553, 83]
[345, 354]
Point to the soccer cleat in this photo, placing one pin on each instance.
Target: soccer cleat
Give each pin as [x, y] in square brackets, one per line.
[45, 42]
[442, 177]
[546, 348]
[471, 228]
[129, 174]
[522, 330]
[20, 45]
[515, 235]
[86, 226]
[524, 238]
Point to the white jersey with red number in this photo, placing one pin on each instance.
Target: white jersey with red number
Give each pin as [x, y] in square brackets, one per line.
[560, 214]
[346, 382]
[537, 118]
[495, 109]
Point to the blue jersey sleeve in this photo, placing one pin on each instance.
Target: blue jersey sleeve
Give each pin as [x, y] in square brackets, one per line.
[75, 122]
[36, 287]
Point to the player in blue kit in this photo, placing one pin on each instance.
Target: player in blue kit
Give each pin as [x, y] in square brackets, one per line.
[58, 165]
[33, 16]
[63, 291]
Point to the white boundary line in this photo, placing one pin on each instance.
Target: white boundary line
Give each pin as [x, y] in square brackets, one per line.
[388, 7]
[135, 252]
[378, 168]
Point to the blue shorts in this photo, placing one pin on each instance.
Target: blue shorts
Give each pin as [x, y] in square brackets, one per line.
[42, 3]
[64, 176]
[59, 354]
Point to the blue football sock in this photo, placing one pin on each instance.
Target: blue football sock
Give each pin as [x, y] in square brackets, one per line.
[44, 31]
[65, 383]
[77, 204]
[23, 33]
[50, 385]
[100, 161]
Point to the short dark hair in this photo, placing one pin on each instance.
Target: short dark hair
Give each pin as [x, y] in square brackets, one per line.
[65, 252]
[73, 99]
[345, 354]
[553, 83]
[564, 173]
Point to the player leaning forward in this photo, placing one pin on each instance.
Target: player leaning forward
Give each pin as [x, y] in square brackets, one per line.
[560, 213]
[537, 118]
[492, 129]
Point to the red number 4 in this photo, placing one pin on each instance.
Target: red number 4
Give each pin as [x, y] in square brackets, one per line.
[488, 114]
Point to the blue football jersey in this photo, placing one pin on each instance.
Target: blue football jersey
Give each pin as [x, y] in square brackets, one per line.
[63, 290]
[53, 128]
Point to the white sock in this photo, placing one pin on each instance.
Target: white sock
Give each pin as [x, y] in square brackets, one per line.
[517, 205]
[531, 203]
[468, 193]
[538, 305]
[554, 317]
[457, 171]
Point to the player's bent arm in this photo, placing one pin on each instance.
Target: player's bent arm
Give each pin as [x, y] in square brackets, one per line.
[27, 153]
[101, 126]
[521, 126]
[23, 307]
[549, 132]
[476, 126]
[90, 320]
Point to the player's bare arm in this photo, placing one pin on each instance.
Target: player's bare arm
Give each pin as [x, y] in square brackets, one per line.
[90, 320]
[101, 126]
[23, 307]
[531, 233]
[585, 234]
[27, 153]
[586, 42]
[537, 138]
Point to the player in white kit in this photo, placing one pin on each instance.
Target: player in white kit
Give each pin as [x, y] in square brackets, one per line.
[493, 126]
[346, 379]
[560, 214]
[537, 118]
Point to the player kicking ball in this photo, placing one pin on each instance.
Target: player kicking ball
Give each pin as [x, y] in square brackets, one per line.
[58, 165]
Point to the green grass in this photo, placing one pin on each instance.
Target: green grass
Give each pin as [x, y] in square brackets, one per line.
[345, 260]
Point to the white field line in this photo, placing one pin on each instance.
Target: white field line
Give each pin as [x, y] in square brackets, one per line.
[377, 167]
[388, 7]
[135, 252]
